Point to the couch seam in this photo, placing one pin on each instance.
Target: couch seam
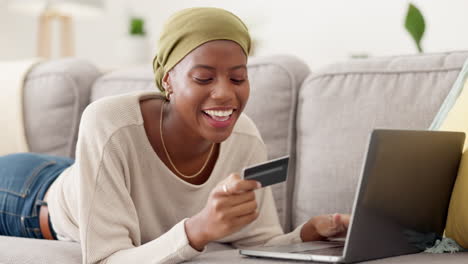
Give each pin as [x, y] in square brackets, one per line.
[324, 75]
[427, 55]
[66, 76]
[76, 107]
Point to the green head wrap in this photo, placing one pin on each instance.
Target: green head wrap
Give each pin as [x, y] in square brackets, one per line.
[190, 28]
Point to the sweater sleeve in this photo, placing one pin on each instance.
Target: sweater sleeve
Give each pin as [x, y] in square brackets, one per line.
[266, 230]
[108, 220]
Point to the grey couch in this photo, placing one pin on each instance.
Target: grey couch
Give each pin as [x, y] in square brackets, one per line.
[321, 119]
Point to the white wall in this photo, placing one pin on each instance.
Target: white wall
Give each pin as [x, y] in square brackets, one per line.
[320, 32]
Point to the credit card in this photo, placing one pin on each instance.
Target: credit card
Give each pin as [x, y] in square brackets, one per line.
[269, 172]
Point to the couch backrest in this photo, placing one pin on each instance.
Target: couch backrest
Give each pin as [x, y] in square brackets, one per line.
[272, 105]
[339, 106]
[55, 95]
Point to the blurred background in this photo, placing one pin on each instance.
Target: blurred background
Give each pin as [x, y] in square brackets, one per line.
[319, 32]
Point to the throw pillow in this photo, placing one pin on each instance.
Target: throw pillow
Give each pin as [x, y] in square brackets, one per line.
[457, 220]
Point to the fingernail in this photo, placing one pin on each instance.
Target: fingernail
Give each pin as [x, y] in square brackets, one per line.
[259, 185]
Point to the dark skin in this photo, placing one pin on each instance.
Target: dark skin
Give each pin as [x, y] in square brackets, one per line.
[151, 115]
[213, 83]
[213, 76]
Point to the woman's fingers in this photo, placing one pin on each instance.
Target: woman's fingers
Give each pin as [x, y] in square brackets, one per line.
[237, 199]
[341, 220]
[235, 185]
[242, 209]
[345, 218]
[339, 224]
[246, 219]
[240, 186]
[230, 206]
[224, 187]
[336, 221]
[332, 225]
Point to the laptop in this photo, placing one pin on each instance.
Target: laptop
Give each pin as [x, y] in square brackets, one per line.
[401, 202]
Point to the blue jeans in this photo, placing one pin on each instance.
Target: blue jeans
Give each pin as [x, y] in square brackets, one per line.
[24, 180]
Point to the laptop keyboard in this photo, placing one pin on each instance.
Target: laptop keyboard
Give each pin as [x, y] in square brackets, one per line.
[332, 251]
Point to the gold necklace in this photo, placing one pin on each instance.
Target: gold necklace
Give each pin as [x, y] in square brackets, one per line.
[167, 153]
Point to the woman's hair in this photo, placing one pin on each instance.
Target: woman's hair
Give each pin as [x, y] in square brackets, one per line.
[190, 28]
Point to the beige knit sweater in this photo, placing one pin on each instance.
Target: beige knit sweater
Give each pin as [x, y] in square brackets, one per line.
[124, 205]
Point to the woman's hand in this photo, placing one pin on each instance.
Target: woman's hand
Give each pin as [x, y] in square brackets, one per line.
[230, 206]
[325, 226]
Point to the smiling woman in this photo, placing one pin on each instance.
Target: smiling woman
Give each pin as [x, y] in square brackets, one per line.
[211, 82]
[156, 173]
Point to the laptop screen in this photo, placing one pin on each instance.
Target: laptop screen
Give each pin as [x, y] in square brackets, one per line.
[404, 193]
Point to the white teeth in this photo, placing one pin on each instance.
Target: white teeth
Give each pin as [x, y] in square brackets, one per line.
[216, 113]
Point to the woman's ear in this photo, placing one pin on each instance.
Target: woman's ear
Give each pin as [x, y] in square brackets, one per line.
[165, 81]
[167, 86]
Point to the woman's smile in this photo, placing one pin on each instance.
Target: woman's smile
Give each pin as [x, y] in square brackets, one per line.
[219, 117]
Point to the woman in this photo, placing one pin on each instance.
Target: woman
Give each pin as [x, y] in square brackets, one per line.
[151, 180]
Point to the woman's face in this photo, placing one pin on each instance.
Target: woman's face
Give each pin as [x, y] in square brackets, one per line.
[210, 89]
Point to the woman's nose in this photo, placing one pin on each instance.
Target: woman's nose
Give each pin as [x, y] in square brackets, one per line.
[223, 90]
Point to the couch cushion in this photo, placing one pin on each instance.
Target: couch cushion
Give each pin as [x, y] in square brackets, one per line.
[17, 250]
[38, 251]
[274, 83]
[232, 256]
[338, 108]
[55, 95]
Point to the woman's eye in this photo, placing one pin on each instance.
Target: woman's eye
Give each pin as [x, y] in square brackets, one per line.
[237, 81]
[202, 80]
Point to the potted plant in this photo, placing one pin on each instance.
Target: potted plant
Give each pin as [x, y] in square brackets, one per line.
[134, 46]
[137, 27]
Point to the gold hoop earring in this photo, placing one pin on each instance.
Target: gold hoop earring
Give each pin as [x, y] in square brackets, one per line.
[168, 95]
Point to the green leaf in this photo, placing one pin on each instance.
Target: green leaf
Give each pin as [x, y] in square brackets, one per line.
[415, 25]
[137, 26]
